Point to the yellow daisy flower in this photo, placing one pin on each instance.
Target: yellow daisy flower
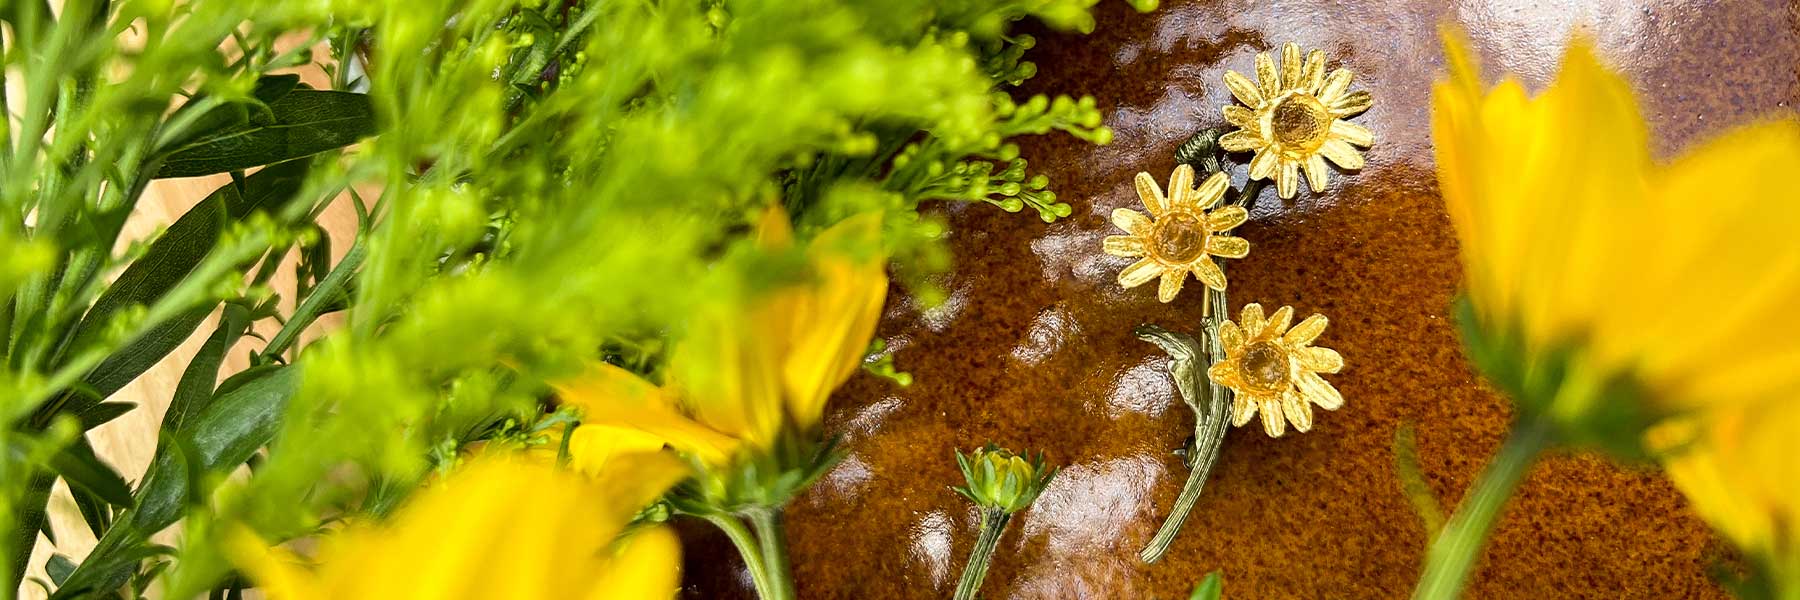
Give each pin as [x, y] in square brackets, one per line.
[1295, 119]
[1179, 235]
[738, 380]
[1736, 466]
[1275, 370]
[503, 526]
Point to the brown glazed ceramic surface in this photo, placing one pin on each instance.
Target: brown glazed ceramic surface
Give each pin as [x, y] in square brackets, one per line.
[1034, 349]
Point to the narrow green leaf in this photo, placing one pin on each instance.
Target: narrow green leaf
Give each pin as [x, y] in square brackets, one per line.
[301, 123]
[168, 260]
[1210, 588]
[195, 389]
[94, 511]
[230, 115]
[78, 465]
[103, 413]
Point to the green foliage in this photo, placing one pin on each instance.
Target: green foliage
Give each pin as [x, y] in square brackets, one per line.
[1210, 588]
[548, 182]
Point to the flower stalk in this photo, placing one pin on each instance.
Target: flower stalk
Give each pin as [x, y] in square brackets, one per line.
[778, 579]
[993, 525]
[1453, 552]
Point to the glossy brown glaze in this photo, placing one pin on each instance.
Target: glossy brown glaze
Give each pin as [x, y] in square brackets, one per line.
[1034, 350]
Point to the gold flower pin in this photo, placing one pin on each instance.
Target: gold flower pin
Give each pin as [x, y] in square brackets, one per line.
[1296, 120]
[1276, 370]
[1179, 235]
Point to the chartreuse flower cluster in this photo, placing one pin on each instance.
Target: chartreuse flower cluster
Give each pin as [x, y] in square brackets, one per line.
[1000, 484]
[1643, 310]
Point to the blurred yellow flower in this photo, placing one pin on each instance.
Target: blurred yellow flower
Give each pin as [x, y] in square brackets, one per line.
[742, 378]
[1684, 276]
[1295, 120]
[1179, 234]
[1737, 466]
[501, 527]
[1275, 370]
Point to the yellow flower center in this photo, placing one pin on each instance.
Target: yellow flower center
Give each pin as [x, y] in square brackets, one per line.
[1265, 366]
[1179, 238]
[1299, 123]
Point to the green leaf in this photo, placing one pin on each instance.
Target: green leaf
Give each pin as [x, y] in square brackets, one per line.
[103, 413]
[301, 123]
[230, 115]
[94, 511]
[78, 465]
[1210, 588]
[169, 260]
[58, 568]
[224, 434]
[195, 389]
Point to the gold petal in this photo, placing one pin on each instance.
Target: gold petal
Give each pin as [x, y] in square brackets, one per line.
[1320, 392]
[1335, 84]
[1150, 194]
[1353, 133]
[1211, 191]
[1341, 153]
[1225, 219]
[1224, 373]
[1324, 360]
[1181, 186]
[1133, 222]
[1209, 273]
[1290, 66]
[1274, 423]
[1287, 181]
[1314, 74]
[1170, 285]
[1123, 245]
[1251, 319]
[1240, 116]
[1243, 409]
[1242, 140]
[1298, 411]
[1316, 174]
[1243, 89]
[1230, 336]
[1226, 246]
[1307, 331]
[1143, 270]
[1263, 165]
[1352, 104]
[1278, 323]
[1267, 80]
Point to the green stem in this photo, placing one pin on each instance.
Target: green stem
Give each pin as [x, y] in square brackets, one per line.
[769, 533]
[993, 524]
[746, 547]
[1453, 552]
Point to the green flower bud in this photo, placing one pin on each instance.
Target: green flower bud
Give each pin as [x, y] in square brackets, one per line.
[998, 479]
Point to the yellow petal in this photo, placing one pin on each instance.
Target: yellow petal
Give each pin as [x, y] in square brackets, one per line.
[1274, 423]
[1314, 75]
[1139, 272]
[1243, 89]
[1324, 360]
[1352, 133]
[1297, 410]
[728, 369]
[1278, 323]
[646, 564]
[834, 321]
[1211, 191]
[1181, 186]
[1226, 219]
[278, 573]
[1170, 285]
[1209, 273]
[592, 446]
[1319, 391]
[1251, 319]
[1243, 408]
[1335, 86]
[1287, 181]
[1352, 104]
[1133, 222]
[1290, 66]
[1227, 246]
[611, 396]
[1267, 80]
[1150, 194]
[1230, 336]
[1123, 245]
[1264, 164]
[774, 230]
[1307, 331]
[1341, 153]
[1315, 172]
[1239, 116]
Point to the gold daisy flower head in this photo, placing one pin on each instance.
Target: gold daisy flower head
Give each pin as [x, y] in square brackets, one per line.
[1276, 370]
[1296, 120]
[1180, 236]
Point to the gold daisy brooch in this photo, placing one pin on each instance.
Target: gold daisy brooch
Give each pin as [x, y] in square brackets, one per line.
[1181, 234]
[1295, 120]
[1275, 370]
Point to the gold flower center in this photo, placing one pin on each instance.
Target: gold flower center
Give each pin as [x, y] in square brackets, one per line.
[1265, 366]
[1299, 123]
[1179, 238]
